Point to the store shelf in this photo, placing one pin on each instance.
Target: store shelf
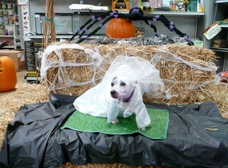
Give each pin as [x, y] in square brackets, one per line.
[167, 13]
[41, 36]
[9, 36]
[224, 26]
[219, 49]
[222, 1]
[8, 47]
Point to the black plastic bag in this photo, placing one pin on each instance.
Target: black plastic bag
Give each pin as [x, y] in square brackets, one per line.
[197, 137]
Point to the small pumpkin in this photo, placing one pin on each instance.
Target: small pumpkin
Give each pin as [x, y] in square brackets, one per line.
[8, 76]
[120, 28]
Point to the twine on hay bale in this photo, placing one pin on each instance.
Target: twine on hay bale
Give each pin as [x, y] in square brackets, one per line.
[187, 71]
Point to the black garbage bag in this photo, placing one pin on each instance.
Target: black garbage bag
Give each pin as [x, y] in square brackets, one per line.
[197, 137]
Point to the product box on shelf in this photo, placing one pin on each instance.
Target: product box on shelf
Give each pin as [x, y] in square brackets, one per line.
[123, 5]
[17, 56]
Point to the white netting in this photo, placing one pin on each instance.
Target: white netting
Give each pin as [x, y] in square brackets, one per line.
[66, 76]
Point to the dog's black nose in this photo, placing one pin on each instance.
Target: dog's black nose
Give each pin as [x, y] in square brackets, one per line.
[113, 92]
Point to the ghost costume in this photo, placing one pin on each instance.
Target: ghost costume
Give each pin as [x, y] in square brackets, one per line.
[98, 102]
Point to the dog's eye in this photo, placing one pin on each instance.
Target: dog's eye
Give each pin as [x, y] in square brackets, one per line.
[122, 84]
[112, 84]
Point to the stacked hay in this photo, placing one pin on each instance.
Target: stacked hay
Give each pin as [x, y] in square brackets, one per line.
[187, 71]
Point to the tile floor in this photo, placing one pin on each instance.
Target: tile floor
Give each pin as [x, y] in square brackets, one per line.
[20, 76]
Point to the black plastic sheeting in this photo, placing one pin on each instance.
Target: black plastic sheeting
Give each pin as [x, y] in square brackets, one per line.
[197, 137]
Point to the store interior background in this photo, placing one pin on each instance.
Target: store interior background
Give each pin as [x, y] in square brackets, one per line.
[31, 23]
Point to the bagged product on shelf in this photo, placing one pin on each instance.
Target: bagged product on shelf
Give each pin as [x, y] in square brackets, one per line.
[135, 3]
[156, 3]
[200, 6]
[177, 5]
[9, 6]
[192, 6]
[4, 6]
[220, 43]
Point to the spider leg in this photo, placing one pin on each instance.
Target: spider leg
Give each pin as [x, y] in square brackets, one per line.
[172, 28]
[96, 19]
[151, 25]
[96, 30]
[93, 19]
[80, 29]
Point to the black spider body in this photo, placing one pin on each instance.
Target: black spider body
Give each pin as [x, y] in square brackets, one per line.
[135, 14]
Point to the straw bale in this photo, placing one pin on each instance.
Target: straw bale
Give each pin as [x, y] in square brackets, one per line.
[11, 101]
[178, 76]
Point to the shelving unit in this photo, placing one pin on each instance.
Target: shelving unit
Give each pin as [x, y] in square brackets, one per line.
[9, 33]
[187, 22]
[220, 13]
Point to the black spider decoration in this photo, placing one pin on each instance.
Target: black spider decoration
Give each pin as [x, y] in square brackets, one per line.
[135, 14]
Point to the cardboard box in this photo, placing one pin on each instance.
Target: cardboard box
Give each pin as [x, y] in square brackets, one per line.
[121, 5]
[17, 56]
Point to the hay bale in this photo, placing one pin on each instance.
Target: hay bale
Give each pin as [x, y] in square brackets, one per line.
[187, 71]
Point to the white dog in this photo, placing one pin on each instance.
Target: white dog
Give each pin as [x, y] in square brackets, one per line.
[127, 100]
[130, 78]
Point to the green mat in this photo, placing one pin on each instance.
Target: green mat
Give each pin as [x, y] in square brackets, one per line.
[87, 123]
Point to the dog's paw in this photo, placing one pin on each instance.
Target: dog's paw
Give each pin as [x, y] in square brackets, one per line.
[142, 129]
[115, 122]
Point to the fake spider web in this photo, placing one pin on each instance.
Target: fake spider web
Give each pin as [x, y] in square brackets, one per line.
[70, 68]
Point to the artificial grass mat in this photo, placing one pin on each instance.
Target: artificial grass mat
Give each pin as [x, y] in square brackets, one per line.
[87, 123]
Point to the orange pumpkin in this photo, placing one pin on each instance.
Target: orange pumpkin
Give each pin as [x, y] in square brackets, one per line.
[120, 28]
[8, 76]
